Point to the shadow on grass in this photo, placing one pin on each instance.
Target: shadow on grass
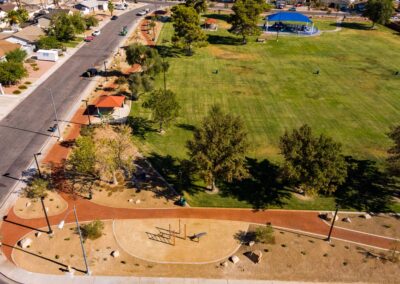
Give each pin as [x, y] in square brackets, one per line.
[366, 187]
[185, 126]
[354, 26]
[140, 126]
[227, 40]
[221, 17]
[262, 189]
[169, 51]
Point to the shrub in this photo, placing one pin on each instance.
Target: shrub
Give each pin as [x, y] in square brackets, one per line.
[17, 92]
[17, 55]
[265, 235]
[36, 188]
[22, 87]
[27, 83]
[121, 81]
[57, 256]
[92, 230]
[35, 69]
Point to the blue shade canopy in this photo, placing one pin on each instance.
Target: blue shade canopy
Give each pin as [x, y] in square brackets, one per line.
[288, 17]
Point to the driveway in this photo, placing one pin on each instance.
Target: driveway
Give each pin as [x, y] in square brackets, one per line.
[24, 131]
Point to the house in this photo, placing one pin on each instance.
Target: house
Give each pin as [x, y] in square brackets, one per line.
[338, 3]
[5, 8]
[44, 20]
[91, 6]
[6, 47]
[27, 37]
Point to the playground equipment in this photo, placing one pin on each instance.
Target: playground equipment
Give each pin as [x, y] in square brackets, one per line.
[169, 235]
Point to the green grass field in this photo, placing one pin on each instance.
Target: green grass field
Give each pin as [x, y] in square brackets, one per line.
[272, 87]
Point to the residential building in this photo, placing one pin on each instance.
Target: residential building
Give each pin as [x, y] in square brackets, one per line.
[6, 47]
[27, 38]
[91, 6]
[44, 20]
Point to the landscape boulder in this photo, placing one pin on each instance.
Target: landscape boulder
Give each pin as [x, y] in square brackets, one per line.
[329, 217]
[346, 220]
[224, 264]
[366, 216]
[37, 234]
[25, 242]
[115, 253]
[137, 201]
[28, 204]
[130, 200]
[251, 243]
[257, 255]
[235, 259]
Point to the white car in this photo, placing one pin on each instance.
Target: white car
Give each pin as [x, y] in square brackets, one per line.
[96, 33]
[141, 13]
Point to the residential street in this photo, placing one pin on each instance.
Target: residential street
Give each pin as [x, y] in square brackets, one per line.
[25, 129]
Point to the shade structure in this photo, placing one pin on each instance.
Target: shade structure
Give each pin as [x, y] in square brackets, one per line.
[110, 101]
[288, 17]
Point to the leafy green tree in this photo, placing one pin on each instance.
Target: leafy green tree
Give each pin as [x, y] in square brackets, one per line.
[11, 72]
[148, 58]
[393, 161]
[245, 17]
[315, 164]
[110, 7]
[199, 5]
[62, 28]
[163, 105]
[19, 16]
[140, 83]
[23, 15]
[17, 55]
[36, 188]
[92, 230]
[78, 22]
[379, 11]
[218, 148]
[49, 42]
[91, 21]
[83, 157]
[187, 30]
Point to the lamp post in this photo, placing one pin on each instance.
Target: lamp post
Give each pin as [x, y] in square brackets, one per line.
[45, 214]
[105, 69]
[37, 164]
[87, 111]
[55, 113]
[61, 225]
[328, 239]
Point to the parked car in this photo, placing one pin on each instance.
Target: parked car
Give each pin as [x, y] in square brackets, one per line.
[91, 72]
[96, 33]
[293, 9]
[141, 13]
[114, 18]
[89, 38]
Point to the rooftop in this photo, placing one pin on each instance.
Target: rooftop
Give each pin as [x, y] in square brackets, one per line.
[6, 46]
[110, 101]
[30, 33]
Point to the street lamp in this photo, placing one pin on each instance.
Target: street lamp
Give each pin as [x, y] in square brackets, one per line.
[55, 113]
[45, 214]
[105, 69]
[87, 111]
[328, 239]
[37, 164]
[61, 225]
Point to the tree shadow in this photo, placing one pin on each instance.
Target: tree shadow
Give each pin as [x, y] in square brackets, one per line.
[185, 126]
[221, 17]
[366, 187]
[169, 51]
[244, 236]
[226, 40]
[140, 126]
[354, 26]
[262, 188]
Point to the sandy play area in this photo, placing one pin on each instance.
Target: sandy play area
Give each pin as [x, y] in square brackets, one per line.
[151, 240]
[28, 209]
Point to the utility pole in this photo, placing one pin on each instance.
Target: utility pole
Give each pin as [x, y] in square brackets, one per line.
[333, 223]
[45, 214]
[105, 70]
[37, 164]
[81, 241]
[87, 111]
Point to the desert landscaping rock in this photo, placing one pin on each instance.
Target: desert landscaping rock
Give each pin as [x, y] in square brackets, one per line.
[115, 253]
[366, 216]
[38, 234]
[137, 201]
[257, 256]
[346, 220]
[28, 204]
[130, 200]
[235, 259]
[24, 243]
[224, 264]
[251, 243]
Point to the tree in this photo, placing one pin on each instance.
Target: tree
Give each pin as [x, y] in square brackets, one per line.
[148, 58]
[115, 151]
[91, 21]
[62, 28]
[265, 235]
[163, 105]
[83, 157]
[17, 55]
[49, 42]
[152, 26]
[199, 5]
[393, 161]
[187, 31]
[36, 188]
[92, 230]
[19, 16]
[110, 7]
[245, 17]
[314, 164]
[218, 148]
[139, 83]
[11, 72]
[379, 11]
[78, 22]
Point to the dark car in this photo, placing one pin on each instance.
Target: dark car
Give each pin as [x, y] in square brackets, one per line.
[91, 72]
[114, 18]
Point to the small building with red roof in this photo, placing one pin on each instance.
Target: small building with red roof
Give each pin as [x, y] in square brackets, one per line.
[108, 104]
[211, 24]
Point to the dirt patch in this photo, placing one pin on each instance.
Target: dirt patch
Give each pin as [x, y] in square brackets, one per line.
[221, 53]
[54, 202]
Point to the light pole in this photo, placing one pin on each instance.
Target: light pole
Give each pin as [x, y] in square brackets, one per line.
[105, 69]
[61, 225]
[333, 223]
[37, 164]
[45, 214]
[87, 111]
[55, 113]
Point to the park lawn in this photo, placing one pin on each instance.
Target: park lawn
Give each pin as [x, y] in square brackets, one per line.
[273, 87]
[73, 43]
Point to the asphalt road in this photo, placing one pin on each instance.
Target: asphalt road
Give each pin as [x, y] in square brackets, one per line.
[24, 131]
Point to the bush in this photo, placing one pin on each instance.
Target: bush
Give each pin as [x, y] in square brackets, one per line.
[17, 55]
[92, 230]
[35, 69]
[265, 235]
[121, 81]
[22, 87]
[11, 72]
[49, 42]
[36, 188]
[17, 92]
[27, 83]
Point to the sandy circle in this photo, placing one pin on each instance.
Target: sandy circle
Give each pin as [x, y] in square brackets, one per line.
[150, 239]
[54, 202]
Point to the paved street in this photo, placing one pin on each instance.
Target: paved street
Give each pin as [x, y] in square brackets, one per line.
[24, 130]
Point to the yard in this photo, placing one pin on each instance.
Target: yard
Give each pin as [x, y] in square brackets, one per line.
[274, 87]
